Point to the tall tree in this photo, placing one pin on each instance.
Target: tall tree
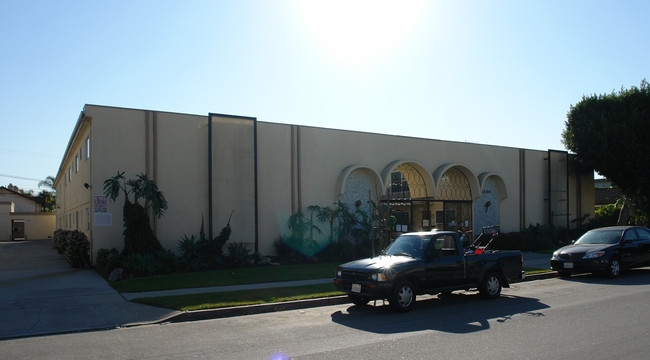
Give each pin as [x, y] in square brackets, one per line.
[48, 196]
[610, 133]
[47, 183]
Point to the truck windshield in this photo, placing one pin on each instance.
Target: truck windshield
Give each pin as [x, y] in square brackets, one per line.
[411, 245]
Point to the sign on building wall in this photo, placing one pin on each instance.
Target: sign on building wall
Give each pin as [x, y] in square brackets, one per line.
[102, 216]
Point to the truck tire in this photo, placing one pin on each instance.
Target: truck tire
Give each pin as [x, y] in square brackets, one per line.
[490, 287]
[402, 298]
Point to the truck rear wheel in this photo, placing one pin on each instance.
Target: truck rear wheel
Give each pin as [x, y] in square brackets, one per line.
[490, 287]
[402, 298]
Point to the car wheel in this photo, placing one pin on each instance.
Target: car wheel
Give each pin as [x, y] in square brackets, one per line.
[614, 268]
[490, 287]
[359, 300]
[402, 298]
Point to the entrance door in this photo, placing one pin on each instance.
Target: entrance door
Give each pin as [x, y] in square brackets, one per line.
[18, 229]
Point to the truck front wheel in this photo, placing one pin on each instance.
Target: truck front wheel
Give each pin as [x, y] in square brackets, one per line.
[490, 287]
[402, 297]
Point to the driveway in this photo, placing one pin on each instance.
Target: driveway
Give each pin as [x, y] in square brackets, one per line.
[41, 294]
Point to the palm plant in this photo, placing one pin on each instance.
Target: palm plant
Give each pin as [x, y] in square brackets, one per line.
[327, 215]
[138, 236]
[47, 183]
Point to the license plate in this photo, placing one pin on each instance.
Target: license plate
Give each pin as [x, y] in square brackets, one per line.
[568, 265]
[356, 288]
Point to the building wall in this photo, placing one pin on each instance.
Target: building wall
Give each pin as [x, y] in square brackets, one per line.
[6, 208]
[181, 172]
[73, 199]
[21, 203]
[277, 175]
[233, 176]
[297, 166]
[535, 188]
[38, 226]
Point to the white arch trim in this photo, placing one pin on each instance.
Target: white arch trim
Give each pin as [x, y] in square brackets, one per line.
[426, 176]
[474, 185]
[343, 178]
[501, 185]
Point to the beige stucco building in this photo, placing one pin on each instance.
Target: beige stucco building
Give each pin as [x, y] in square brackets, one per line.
[209, 166]
[22, 218]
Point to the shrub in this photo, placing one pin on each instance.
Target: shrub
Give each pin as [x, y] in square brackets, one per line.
[605, 216]
[107, 261]
[77, 251]
[238, 254]
[515, 241]
[139, 265]
[60, 240]
[286, 250]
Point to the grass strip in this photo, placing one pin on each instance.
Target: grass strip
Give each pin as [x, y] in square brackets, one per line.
[531, 271]
[223, 277]
[252, 297]
[240, 298]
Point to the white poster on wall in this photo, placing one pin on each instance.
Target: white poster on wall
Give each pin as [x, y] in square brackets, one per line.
[102, 216]
[103, 219]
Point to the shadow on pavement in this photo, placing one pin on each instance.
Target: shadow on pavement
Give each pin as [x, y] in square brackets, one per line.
[457, 313]
[630, 277]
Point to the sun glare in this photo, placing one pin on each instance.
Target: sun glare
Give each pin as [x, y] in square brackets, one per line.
[354, 32]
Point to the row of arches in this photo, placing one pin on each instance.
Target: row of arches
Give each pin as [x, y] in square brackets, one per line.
[450, 197]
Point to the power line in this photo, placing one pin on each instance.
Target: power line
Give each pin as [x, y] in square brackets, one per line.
[20, 177]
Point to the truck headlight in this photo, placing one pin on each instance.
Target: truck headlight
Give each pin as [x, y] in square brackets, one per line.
[379, 276]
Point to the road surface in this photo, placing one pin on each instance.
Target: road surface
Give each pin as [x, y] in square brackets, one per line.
[583, 317]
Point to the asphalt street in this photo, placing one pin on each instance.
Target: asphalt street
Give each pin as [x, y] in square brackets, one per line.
[586, 317]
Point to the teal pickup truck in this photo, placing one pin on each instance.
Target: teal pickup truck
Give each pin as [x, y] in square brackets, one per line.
[428, 263]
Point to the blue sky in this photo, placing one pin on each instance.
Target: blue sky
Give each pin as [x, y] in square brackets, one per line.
[492, 72]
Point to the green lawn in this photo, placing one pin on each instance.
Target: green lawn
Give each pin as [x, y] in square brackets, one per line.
[530, 271]
[239, 276]
[249, 275]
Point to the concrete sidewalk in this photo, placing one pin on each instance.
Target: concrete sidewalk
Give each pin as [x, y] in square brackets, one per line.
[41, 294]
[213, 289]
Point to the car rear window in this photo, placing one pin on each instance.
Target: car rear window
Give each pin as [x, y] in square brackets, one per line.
[644, 235]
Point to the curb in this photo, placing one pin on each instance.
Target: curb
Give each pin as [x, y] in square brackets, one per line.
[541, 276]
[195, 315]
[207, 314]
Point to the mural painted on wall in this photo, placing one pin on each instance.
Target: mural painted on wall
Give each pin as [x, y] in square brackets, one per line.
[359, 186]
[486, 208]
